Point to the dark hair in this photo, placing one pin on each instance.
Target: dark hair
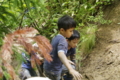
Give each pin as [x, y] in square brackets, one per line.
[66, 22]
[75, 35]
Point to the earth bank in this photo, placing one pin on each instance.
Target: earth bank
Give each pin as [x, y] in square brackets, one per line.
[103, 63]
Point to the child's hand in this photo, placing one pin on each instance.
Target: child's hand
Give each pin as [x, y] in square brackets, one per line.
[71, 62]
[76, 75]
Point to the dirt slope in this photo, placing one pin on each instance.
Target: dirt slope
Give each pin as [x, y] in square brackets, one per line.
[104, 61]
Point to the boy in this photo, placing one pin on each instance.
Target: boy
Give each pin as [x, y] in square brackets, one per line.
[72, 44]
[27, 70]
[53, 69]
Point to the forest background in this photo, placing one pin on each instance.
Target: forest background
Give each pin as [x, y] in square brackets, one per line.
[43, 15]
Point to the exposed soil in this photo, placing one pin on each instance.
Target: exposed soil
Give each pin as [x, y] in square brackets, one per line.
[103, 63]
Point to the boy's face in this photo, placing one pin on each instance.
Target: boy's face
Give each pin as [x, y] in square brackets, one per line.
[67, 33]
[73, 43]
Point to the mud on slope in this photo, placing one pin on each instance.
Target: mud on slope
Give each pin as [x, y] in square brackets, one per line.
[103, 63]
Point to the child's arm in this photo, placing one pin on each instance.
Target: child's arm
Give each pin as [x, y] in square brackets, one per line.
[72, 58]
[65, 61]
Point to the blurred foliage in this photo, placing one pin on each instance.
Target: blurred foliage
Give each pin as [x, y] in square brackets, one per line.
[43, 15]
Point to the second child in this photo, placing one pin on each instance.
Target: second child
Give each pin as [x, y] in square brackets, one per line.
[72, 44]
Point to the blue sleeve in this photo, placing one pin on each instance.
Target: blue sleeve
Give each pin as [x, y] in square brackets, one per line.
[62, 45]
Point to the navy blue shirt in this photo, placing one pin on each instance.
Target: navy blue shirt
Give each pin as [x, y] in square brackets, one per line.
[71, 54]
[59, 44]
[71, 51]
